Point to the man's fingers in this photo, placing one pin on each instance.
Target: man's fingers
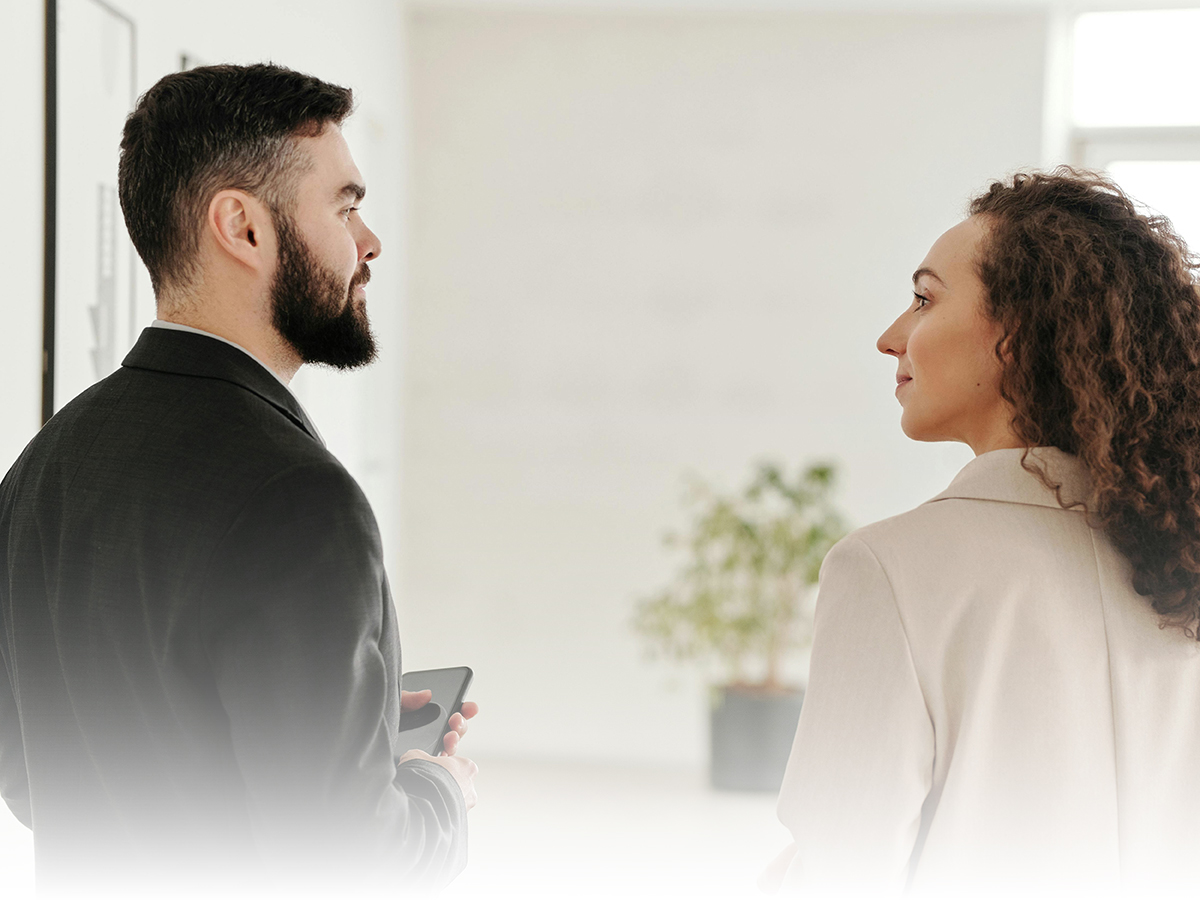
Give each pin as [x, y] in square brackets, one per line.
[411, 700]
[470, 709]
[458, 727]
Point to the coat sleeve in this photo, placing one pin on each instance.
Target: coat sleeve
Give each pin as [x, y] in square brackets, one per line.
[14, 777]
[296, 632]
[862, 762]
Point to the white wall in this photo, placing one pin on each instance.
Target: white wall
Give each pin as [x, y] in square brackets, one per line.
[21, 151]
[645, 245]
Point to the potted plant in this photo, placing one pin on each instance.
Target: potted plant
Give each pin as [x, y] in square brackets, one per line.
[743, 599]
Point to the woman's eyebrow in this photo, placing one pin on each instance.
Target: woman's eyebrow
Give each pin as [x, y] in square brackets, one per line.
[927, 271]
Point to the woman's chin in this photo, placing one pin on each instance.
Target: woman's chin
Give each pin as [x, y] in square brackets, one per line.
[916, 430]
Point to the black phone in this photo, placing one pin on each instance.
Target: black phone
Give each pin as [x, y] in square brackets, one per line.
[424, 728]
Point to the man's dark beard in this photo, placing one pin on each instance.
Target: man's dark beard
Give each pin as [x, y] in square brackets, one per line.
[314, 313]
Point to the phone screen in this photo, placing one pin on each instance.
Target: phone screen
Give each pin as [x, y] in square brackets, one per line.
[424, 728]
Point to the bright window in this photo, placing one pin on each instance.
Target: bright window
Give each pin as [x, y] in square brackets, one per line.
[1137, 68]
[1171, 187]
[1136, 107]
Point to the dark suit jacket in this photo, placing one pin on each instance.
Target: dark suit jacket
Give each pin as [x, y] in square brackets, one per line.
[201, 659]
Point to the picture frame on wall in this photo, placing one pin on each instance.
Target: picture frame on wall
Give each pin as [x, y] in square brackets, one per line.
[92, 306]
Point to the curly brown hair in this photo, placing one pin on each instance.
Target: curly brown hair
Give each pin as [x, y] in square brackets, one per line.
[1101, 359]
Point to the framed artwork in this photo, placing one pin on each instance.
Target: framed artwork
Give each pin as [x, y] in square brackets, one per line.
[91, 298]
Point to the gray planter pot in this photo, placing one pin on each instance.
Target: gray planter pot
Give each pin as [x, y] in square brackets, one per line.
[752, 732]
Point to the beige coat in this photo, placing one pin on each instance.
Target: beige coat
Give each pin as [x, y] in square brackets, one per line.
[992, 706]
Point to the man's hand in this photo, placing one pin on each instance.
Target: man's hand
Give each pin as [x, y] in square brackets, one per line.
[458, 727]
[463, 769]
[460, 767]
[410, 700]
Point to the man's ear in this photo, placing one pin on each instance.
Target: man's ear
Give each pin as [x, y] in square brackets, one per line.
[241, 227]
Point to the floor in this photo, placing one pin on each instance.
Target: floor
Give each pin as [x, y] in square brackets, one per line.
[577, 831]
[607, 831]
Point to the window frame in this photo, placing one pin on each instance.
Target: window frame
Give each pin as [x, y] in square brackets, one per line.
[1095, 148]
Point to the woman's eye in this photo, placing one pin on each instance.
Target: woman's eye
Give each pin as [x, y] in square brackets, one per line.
[921, 300]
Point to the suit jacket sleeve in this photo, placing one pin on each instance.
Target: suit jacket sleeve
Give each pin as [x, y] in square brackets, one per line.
[295, 632]
[14, 778]
[862, 762]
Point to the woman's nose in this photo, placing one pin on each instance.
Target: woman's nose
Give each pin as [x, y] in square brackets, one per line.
[892, 342]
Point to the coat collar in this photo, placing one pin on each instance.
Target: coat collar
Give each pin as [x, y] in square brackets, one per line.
[197, 355]
[998, 475]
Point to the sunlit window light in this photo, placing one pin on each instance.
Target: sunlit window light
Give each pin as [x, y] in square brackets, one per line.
[1169, 187]
[1137, 68]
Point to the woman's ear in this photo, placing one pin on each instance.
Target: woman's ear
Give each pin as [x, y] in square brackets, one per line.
[1004, 348]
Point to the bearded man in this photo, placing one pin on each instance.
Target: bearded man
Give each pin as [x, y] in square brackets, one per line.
[201, 679]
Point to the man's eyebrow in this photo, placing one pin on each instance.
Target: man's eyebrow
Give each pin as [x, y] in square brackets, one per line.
[927, 271]
[352, 189]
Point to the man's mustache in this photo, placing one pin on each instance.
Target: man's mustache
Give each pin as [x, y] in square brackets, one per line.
[362, 276]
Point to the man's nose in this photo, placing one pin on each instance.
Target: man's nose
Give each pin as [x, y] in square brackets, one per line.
[368, 245]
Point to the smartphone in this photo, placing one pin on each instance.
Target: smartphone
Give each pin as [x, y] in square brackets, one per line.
[424, 728]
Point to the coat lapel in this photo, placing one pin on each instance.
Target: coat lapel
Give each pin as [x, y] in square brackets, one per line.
[999, 476]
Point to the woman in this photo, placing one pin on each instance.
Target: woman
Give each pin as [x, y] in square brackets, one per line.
[1005, 682]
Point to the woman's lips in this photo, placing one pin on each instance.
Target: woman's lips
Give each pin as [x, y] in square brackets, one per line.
[901, 380]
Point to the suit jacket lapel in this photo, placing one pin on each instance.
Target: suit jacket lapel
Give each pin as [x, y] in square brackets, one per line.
[199, 356]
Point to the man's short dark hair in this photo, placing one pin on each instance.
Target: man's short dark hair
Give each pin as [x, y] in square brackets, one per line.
[208, 129]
